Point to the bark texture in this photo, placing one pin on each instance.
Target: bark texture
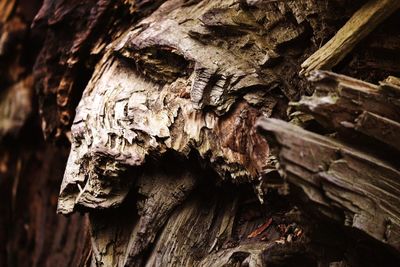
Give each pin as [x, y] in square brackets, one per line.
[158, 102]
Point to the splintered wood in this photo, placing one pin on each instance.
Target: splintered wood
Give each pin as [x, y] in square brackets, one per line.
[354, 182]
[350, 105]
[364, 21]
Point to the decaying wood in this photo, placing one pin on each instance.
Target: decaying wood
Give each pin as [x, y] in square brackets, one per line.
[350, 105]
[173, 86]
[70, 60]
[364, 21]
[128, 112]
[347, 181]
[344, 183]
[93, 25]
[199, 232]
[184, 84]
[154, 206]
[6, 8]
[190, 79]
[31, 233]
[165, 159]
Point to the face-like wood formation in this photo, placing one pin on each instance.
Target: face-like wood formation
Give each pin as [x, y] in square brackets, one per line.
[167, 85]
[191, 77]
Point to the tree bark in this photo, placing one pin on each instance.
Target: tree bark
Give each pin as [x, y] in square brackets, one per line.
[157, 102]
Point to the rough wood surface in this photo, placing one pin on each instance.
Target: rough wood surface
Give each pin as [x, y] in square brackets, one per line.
[350, 105]
[353, 181]
[188, 80]
[154, 206]
[344, 183]
[128, 112]
[165, 159]
[364, 21]
[192, 82]
[69, 56]
[31, 233]
[210, 228]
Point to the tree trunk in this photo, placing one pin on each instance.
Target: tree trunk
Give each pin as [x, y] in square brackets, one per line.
[158, 101]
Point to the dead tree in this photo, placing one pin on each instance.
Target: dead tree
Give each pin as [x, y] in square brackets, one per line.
[158, 101]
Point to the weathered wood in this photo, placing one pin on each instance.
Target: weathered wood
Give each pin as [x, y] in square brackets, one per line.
[347, 104]
[92, 24]
[154, 206]
[364, 21]
[343, 181]
[346, 184]
[163, 129]
[180, 82]
[173, 87]
[391, 86]
[381, 128]
[31, 233]
[210, 228]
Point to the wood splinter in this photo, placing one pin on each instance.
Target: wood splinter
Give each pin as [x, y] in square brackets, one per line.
[364, 21]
